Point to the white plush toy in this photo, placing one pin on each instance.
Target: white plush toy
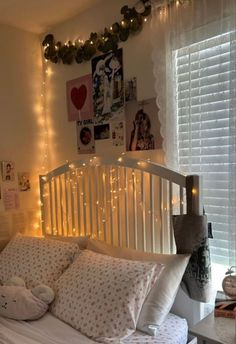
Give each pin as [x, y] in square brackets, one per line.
[19, 303]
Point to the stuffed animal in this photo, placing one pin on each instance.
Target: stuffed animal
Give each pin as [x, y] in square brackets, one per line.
[19, 303]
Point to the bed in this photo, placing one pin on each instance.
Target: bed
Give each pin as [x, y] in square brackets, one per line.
[51, 330]
[119, 212]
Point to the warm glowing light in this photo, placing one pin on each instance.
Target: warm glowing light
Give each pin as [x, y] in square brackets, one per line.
[36, 226]
[48, 71]
[41, 121]
[194, 191]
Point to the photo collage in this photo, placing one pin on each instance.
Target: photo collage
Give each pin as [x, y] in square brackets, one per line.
[104, 106]
[11, 183]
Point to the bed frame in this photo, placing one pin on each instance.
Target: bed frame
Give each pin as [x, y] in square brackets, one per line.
[122, 201]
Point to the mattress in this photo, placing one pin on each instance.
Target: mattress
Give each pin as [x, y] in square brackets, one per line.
[50, 330]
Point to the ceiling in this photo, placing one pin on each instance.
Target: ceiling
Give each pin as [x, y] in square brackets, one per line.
[38, 16]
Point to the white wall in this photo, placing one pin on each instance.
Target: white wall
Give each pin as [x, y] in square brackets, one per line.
[137, 62]
[20, 83]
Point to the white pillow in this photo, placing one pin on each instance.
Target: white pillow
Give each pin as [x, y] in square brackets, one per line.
[102, 296]
[161, 298]
[36, 260]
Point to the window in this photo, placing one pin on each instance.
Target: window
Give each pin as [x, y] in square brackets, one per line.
[205, 74]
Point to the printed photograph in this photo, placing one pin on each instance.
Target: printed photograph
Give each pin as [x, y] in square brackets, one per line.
[142, 125]
[131, 89]
[108, 86]
[24, 181]
[8, 171]
[80, 98]
[118, 132]
[85, 137]
[102, 132]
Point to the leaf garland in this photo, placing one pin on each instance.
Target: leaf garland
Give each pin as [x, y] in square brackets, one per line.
[108, 40]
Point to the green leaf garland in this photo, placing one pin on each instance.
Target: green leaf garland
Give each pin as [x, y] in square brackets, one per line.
[108, 40]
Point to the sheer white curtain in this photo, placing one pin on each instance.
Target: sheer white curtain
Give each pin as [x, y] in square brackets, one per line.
[194, 57]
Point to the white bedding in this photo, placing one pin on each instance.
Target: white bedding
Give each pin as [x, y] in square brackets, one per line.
[50, 330]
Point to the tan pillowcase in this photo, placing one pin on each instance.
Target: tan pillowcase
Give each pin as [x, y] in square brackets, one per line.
[36, 260]
[161, 297]
[101, 296]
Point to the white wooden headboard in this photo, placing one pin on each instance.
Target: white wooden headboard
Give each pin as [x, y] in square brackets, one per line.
[122, 201]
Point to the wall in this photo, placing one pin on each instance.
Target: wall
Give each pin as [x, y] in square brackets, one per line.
[20, 84]
[136, 60]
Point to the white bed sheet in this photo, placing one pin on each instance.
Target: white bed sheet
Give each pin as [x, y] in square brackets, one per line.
[50, 330]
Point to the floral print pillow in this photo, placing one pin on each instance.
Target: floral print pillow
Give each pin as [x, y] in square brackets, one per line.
[102, 296]
[36, 260]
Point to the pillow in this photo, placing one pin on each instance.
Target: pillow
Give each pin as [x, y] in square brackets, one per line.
[161, 297]
[102, 296]
[20, 304]
[36, 260]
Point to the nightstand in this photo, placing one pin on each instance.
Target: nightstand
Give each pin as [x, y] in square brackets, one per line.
[214, 330]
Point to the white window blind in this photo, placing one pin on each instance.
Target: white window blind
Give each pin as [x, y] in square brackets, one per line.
[205, 74]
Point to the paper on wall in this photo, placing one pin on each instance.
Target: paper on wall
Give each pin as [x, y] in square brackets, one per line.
[11, 198]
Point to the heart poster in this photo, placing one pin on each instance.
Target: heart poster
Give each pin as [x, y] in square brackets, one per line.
[79, 98]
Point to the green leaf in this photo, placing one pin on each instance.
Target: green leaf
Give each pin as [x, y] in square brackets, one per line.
[124, 9]
[49, 39]
[124, 34]
[116, 27]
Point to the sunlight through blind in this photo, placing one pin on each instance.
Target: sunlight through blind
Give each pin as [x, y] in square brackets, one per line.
[205, 76]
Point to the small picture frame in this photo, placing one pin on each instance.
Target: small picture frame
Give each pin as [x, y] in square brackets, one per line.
[8, 171]
[24, 181]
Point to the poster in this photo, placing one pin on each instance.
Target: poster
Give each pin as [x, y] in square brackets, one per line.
[8, 171]
[108, 86]
[85, 137]
[142, 125]
[118, 133]
[11, 198]
[24, 181]
[102, 131]
[79, 98]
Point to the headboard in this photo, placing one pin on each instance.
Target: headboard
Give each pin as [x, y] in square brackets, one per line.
[122, 201]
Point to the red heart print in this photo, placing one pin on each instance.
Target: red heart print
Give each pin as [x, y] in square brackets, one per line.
[78, 96]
